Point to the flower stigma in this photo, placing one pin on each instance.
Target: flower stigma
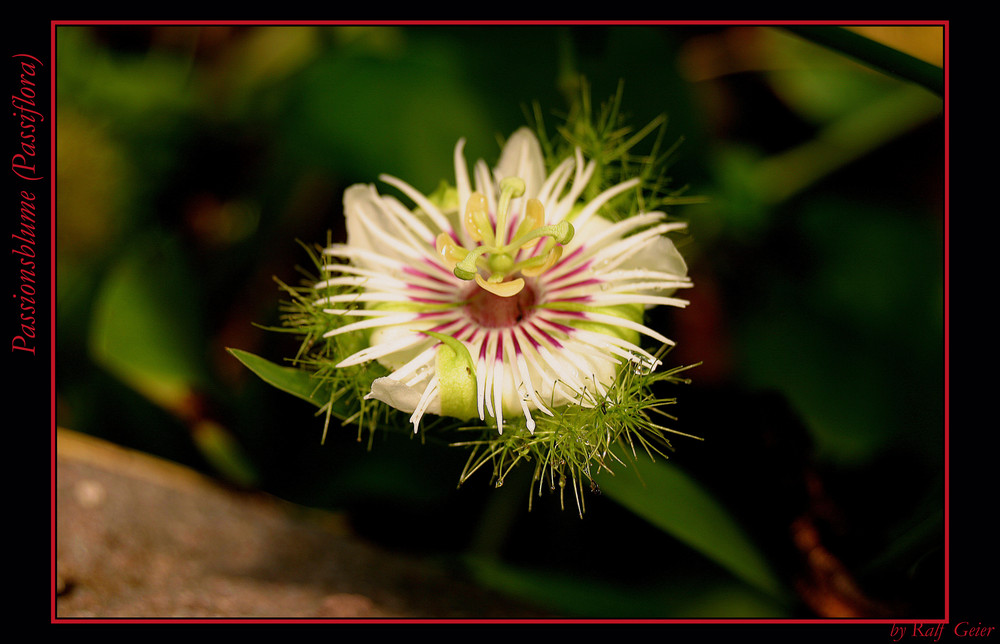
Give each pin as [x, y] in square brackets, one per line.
[496, 258]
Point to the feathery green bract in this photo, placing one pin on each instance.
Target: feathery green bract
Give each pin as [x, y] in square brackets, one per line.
[571, 447]
[606, 137]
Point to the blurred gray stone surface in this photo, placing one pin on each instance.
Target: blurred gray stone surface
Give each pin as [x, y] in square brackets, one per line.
[137, 537]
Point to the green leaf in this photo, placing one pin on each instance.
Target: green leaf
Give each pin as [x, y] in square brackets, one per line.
[146, 326]
[294, 381]
[218, 445]
[363, 136]
[674, 502]
[876, 55]
[575, 595]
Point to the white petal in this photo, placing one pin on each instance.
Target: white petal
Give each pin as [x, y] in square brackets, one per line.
[649, 245]
[357, 199]
[461, 176]
[611, 299]
[401, 274]
[661, 255]
[410, 372]
[553, 187]
[612, 320]
[426, 399]
[422, 202]
[565, 205]
[522, 157]
[372, 323]
[497, 381]
[377, 350]
[402, 397]
[617, 346]
[522, 377]
[600, 200]
[484, 185]
[563, 365]
[482, 372]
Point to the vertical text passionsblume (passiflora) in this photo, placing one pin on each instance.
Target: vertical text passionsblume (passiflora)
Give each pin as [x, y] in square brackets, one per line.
[25, 166]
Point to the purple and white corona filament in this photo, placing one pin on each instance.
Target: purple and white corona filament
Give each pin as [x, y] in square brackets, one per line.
[509, 299]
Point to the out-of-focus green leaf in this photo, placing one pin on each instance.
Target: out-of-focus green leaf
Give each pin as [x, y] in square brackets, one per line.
[218, 445]
[571, 595]
[674, 502]
[846, 139]
[146, 327]
[264, 56]
[366, 114]
[294, 381]
[134, 94]
[839, 335]
[95, 184]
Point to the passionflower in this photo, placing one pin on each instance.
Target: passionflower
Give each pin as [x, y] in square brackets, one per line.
[504, 298]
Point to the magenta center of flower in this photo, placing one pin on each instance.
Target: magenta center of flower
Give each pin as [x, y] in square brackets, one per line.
[494, 311]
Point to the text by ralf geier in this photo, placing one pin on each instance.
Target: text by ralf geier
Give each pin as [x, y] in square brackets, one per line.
[28, 173]
[933, 632]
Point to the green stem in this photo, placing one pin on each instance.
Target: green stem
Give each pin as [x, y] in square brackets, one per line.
[873, 54]
[779, 177]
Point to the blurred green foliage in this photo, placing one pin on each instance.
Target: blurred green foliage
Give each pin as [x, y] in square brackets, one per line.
[191, 158]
